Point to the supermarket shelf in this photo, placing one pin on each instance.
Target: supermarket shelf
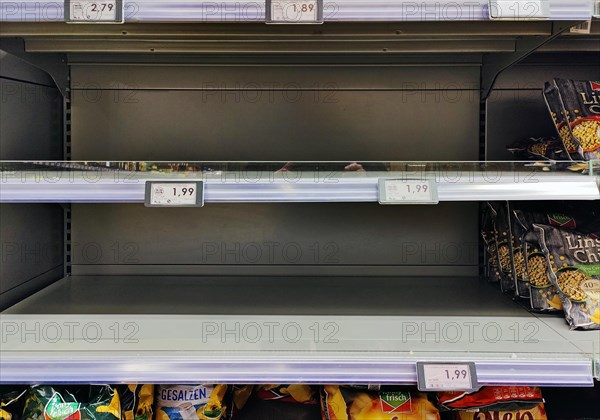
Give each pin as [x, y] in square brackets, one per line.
[112, 186]
[290, 329]
[333, 10]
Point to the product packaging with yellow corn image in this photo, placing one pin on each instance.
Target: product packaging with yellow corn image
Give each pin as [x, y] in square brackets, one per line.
[575, 274]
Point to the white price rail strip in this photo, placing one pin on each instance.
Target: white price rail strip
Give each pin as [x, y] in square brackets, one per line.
[294, 11]
[174, 194]
[519, 9]
[446, 376]
[94, 11]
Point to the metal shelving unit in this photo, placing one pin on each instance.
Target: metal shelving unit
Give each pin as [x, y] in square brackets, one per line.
[366, 321]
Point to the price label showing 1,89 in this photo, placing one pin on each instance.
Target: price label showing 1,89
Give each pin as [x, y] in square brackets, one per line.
[407, 191]
[94, 11]
[294, 11]
[447, 376]
[174, 194]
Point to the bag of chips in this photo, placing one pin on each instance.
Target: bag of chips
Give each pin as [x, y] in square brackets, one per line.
[190, 402]
[136, 401]
[504, 246]
[491, 398]
[93, 402]
[561, 123]
[11, 402]
[539, 148]
[342, 403]
[581, 101]
[297, 393]
[573, 261]
[488, 233]
[536, 413]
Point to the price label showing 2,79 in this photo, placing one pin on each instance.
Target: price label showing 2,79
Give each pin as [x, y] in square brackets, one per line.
[94, 11]
[407, 191]
[446, 376]
[294, 11]
[174, 194]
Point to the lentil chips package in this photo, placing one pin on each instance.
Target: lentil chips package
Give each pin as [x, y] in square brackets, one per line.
[539, 148]
[561, 123]
[136, 401]
[581, 101]
[504, 246]
[190, 402]
[93, 402]
[488, 233]
[573, 261]
[339, 403]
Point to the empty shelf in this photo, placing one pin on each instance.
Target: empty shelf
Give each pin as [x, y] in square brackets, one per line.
[171, 329]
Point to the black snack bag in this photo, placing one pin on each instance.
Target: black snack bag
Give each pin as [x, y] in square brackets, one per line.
[538, 148]
[488, 233]
[573, 262]
[581, 101]
[561, 123]
[504, 246]
[12, 400]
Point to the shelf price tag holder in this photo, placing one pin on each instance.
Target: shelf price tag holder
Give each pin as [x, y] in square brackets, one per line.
[94, 11]
[294, 11]
[174, 194]
[519, 9]
[443, 376]
[407, 191]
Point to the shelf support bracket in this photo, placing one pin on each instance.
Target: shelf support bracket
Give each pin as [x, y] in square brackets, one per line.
[494, 64]
[53, 64]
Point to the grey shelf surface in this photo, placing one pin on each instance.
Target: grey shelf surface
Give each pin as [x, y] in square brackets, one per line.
[333, 10]
[455, 182]
[286, 329]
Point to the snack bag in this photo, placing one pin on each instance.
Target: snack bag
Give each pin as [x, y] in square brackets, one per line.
[504, 246]
[519, 266]
[338, 403]
[491, 398]
[488, 233]
[93, 402]
[240, 394]
[536, 413]
[539, 148]
[11, 402]
[136, 401]
[581, 100]
[573, 264]
[190, 402]
[561, 123]
[297, 393]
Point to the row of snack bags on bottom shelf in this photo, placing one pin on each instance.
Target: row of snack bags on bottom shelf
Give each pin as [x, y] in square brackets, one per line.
[196, 402]
[547, 253]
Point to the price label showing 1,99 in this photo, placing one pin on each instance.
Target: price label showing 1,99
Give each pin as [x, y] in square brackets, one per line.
[447, 376]
[407, 191]
[174, 194]
[294, 11]
[94, 11]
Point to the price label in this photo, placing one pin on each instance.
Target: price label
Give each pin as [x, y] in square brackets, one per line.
[294, 11]
[174, 194]
[519, 9]
[94, 11]
[407, 191]
[446, 376]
